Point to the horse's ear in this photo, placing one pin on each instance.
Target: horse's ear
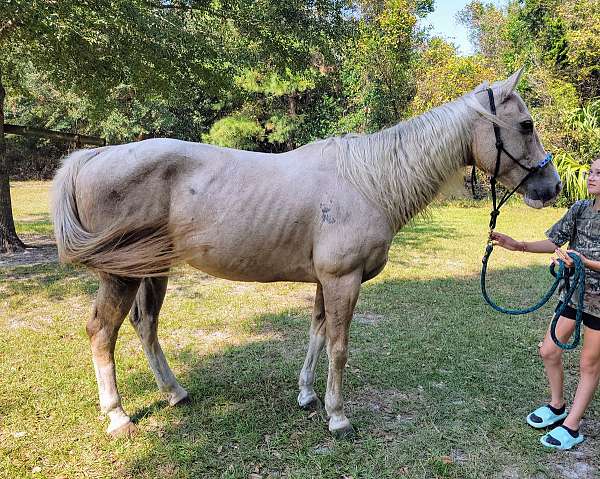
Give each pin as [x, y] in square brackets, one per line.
[508, 86]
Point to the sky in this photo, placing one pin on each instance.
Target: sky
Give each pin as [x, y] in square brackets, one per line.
[444, 24]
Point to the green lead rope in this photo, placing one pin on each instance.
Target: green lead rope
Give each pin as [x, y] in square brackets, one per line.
[575, 281]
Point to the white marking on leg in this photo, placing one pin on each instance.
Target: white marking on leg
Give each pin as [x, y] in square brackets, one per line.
[110, 401]
[165, 379]
[307, 374]
[316, 342]
[144, 317]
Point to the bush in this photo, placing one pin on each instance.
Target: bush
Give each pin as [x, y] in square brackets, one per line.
[235, 132]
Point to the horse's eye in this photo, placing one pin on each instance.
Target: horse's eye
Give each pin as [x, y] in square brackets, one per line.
[527, 126]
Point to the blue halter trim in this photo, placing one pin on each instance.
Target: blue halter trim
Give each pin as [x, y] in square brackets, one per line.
[547, 159]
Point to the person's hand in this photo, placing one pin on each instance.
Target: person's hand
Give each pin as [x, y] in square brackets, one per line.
[506, 242]
[566, 258]
[584, 260]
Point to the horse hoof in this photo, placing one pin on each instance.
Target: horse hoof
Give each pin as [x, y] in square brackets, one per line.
[314, 404]
[127, 430]
[344, 433]
[179, 399]
[185, 400]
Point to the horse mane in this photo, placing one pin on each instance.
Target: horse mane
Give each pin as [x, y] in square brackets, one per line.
[402, 168]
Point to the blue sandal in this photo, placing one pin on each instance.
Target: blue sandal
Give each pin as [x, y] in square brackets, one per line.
[544, 417]
[559, 438]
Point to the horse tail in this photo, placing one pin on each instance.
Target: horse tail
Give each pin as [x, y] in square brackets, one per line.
[123, 249]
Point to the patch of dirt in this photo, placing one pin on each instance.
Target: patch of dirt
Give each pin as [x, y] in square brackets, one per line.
[510, 472]
[459, 456]
[40, 324]
[242, 288]
[305, 295]
[43, 250]
[386, 409]
[583, 462]
[367, 318]
[377, 400]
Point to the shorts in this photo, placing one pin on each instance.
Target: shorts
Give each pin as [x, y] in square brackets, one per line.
[589, 320]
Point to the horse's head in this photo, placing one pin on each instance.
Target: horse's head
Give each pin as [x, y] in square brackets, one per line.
[519, 140]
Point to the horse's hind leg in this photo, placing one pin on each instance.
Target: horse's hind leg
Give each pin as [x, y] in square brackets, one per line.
[307, 399]
[114, 299]
[144, 317]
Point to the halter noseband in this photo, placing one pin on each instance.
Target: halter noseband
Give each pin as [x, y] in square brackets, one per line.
[499, 150]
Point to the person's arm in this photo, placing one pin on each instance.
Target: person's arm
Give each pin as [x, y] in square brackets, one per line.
[505, 241]
[542, 246]
[591, 264]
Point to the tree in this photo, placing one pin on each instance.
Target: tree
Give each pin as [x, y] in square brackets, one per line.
[9, 241]
[377, 72]
[91, 48]
[442, 75]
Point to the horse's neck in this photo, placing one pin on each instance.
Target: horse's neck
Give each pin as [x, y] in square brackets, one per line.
[409, 163]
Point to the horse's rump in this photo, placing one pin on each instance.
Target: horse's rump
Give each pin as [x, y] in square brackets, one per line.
[137, 248]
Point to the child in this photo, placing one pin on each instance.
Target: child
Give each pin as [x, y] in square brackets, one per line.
[581, 227]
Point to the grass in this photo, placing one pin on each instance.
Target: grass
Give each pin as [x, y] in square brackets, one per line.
[31, 207]
[437, 384]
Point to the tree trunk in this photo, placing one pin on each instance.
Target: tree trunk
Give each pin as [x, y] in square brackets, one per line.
[9, 241]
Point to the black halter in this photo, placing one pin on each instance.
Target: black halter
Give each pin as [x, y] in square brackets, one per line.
[499, 150]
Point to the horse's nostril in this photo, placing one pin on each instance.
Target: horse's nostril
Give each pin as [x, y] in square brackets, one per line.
[558, 187]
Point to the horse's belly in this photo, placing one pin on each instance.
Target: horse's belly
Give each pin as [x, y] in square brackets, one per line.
[250, 265]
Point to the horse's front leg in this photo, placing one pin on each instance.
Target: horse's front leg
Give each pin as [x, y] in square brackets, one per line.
[114, 299]
[307, 398]
[340, 295]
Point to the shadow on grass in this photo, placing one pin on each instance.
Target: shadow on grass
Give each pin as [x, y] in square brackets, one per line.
[422, 231]
[55, 282]
[438, 366]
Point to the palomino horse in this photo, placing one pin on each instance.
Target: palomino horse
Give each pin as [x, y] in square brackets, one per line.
[325, 213]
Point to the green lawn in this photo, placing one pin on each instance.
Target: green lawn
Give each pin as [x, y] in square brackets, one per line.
[437, 384]
[31, 207]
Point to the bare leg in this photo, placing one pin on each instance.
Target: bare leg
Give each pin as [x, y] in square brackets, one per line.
[340, 295]
[552, 356]
[307, 398]
[110, 308]
[589, 368]
[144, 318]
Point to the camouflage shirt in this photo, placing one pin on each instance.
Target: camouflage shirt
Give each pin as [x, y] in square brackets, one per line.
[580, 226]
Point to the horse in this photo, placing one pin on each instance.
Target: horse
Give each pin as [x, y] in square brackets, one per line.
[325, 213]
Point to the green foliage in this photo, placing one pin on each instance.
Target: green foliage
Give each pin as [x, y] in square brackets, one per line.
[573, 176]
[281, 128]
[271, 76]
[442, 75]
[235, 132]
[376, 75]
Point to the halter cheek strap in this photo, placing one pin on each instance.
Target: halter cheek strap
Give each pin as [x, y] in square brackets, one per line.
[499, 150]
